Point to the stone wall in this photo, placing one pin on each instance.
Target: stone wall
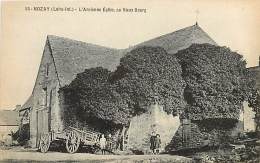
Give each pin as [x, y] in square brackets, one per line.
[247, 117]
[198, 134]
[155, 120]
[45, 99]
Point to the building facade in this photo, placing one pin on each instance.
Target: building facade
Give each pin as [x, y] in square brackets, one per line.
[64, 58]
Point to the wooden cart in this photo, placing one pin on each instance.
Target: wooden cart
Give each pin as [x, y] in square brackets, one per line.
[72, 137]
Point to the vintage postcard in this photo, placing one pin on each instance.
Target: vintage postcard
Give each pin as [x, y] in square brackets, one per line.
[130, 81]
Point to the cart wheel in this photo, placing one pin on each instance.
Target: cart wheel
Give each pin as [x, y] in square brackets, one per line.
[72, 142]
[44, 143]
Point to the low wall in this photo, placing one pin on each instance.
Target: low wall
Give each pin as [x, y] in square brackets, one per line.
[155, 120]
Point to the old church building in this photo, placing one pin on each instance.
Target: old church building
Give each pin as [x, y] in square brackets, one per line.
[64, 58]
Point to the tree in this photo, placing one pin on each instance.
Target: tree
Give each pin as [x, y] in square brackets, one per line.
[216, 79]
[148, 75]
[90, 96]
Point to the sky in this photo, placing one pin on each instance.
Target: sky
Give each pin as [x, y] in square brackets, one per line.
[231, 23]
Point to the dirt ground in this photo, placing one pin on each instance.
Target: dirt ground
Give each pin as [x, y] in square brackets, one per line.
[21, 155]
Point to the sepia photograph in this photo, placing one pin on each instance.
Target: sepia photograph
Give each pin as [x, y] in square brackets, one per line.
[130, 81]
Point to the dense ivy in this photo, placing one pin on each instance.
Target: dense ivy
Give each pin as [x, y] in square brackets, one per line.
[150, 75]
[212, 80]
[90, 95]
[217, 81]
[254, 90]
[145, 75]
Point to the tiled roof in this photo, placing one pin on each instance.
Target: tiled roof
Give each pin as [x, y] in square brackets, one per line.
[180, 39]
[8, 118]
[72, 57]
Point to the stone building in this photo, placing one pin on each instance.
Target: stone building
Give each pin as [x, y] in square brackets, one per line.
[64, 58]
[9, 123]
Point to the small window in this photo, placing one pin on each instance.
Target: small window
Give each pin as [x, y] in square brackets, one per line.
[47, 70]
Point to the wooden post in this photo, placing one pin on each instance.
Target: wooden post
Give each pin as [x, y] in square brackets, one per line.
[37, 128]
[123, 137]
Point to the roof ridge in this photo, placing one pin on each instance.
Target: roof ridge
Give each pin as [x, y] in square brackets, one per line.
[53, 59]
[168, 34]
[180, 30]
[53, 37]
[177, 40]
[205, 33]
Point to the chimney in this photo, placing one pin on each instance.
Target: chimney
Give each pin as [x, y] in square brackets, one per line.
[17, 107]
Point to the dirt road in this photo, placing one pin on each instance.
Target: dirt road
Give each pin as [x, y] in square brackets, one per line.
[33, 156]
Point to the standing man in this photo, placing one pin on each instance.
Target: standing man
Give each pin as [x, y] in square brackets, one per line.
[157, 143]
[102, 143]
[110, 142]
[152, 142]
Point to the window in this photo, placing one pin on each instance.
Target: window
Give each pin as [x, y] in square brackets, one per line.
[47, 70]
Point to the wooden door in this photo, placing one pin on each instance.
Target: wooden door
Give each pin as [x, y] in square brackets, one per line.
[42, 123]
